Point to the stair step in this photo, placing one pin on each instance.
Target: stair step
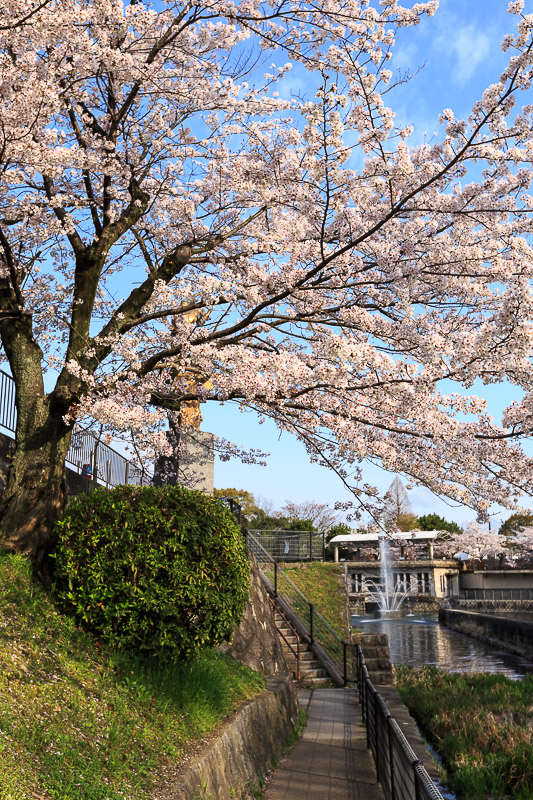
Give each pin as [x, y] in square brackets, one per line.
[305, 655]
[314, 682]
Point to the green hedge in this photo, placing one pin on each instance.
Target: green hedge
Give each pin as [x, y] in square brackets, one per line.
[162, 570]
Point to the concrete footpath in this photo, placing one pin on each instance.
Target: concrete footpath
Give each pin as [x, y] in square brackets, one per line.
[331, 760]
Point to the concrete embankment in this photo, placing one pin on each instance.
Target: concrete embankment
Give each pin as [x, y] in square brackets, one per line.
[511, 634]
[232, 763]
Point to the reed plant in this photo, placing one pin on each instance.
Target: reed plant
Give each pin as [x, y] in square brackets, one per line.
[480, 724]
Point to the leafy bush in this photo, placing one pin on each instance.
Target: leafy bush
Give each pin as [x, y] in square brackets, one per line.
[162, 570]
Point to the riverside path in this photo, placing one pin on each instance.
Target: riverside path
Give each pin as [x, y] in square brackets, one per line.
[331, 760]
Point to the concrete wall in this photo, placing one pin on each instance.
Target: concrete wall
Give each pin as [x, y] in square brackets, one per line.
[511, 634]
[193, 466]
[496, 579]
[233, 762]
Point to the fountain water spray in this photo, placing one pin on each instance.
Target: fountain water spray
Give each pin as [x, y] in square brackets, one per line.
[388, 596]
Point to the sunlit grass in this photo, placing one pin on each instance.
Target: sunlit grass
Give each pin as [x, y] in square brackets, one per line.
[78, 722]
[480, 724]
[323, 586]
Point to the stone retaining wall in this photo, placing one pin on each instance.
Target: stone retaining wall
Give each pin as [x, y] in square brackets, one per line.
[232, 763]
[511, 634]
[493, 606]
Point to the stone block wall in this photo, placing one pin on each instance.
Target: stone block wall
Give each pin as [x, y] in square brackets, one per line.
[233, 762]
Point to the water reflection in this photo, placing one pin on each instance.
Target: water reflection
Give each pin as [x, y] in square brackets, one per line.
[416, 641]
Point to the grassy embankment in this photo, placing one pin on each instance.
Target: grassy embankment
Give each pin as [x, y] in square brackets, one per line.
[480, 724]
[78, 722]
[323, 585]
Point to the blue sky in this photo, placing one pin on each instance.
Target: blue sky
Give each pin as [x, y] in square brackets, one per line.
[459, 52]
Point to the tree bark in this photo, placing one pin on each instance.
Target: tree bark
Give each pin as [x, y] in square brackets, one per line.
[35, 491]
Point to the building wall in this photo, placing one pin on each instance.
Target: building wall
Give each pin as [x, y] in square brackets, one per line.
[496, 579]
[194, 465]
[426, 578]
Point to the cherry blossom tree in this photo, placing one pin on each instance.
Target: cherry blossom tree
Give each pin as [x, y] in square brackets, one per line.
[175, 229]
[474, 542]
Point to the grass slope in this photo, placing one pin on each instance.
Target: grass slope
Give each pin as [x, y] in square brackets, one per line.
[480, 724]
[323, 585]
[78, 722]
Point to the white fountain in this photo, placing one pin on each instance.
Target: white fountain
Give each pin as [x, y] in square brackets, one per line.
[388, 596]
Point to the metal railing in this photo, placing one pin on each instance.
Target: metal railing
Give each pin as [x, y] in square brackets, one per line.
[233, 506]
[400, 772]
[286, 621]
[495, 594]
[292, 545]
[97, 460]
[324, 640]
[87, 454]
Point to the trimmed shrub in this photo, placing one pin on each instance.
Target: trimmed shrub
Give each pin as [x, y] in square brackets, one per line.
[162, 570]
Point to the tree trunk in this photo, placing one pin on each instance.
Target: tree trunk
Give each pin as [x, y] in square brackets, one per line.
[35, 492]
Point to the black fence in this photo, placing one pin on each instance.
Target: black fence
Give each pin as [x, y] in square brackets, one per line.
[87, 454]
[400, 772]
[329, 648]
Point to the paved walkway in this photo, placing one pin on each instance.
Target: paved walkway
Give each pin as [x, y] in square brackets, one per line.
[330, 761]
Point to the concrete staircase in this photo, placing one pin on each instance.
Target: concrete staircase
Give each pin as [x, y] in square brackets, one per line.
[311, 673]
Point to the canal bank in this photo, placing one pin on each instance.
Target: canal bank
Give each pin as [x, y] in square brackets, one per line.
[514, 635]
[419, 641]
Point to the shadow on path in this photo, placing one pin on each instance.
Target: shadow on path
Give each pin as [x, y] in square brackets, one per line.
[331, 760]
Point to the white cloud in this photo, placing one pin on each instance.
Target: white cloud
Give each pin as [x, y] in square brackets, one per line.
[471, 49]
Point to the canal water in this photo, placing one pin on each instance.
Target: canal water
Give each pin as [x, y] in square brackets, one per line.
[417, 641]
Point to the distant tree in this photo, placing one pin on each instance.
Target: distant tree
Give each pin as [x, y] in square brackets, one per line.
[340, 529]
[516, 523]
[319, 514]
[396, 504]
[261, 521]
[406, 522]
[433, 522]
[245, 499]
[475, 542]
[300, 525]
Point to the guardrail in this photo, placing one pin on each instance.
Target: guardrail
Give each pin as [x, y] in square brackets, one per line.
[495, 594]
[87, 454]
[326, 643]
[401, 774]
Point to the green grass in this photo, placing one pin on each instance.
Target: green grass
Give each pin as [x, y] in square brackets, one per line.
[480, 724]
[323, 585]
[79, 722]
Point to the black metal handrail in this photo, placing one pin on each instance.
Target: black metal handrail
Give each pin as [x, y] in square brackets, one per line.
[325, 642]
[286, 620]
[400, 772]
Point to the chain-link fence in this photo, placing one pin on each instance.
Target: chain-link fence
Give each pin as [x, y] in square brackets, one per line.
[318, 628]
[292, 545]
